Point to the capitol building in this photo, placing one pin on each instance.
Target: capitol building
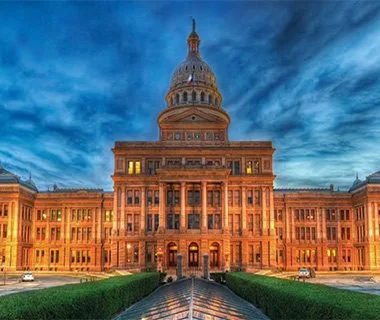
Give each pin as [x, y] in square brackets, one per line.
[191, 192]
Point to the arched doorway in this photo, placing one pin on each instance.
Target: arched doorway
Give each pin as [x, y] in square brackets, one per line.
[193, 255]
[214, 255]
[172, 254]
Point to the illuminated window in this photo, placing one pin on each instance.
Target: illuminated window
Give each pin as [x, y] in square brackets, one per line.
[130, 167]
[249, 167]
[138, 167]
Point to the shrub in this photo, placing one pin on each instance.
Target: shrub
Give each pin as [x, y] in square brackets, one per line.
[162, 277]
[91, 300]
[170, 279]
[286, 299]
[219, 277]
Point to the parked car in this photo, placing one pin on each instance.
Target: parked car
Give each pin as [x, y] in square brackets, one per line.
[303, 273]
[27, 276]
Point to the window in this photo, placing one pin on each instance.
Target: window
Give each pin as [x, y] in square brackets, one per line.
[214, 221]
[130, 167]
[249, 197]
[249, 167]
[156, 221]
[134, 167]
[137, 197]
[250, 222]
[156, 197]
[193, 197]
[149, 224]
[177, 98]
[230, 198]
[108, 216]
[193, 221]
[129, 223]
[173, 221]
[137, 167]
[194, 96]
[185, 96]
[170, 197]
[257, 197]
[202, 96]
[237, 198]
[152, 166]
[210, 99]
[129, 197]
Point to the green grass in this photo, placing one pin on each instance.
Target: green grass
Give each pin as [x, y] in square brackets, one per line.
[287, 299]
[91, 300]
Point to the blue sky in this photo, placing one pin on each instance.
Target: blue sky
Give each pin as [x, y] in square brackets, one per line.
[77, 76]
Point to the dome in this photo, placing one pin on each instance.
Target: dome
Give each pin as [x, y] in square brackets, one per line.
[193, 81]
[196, 68]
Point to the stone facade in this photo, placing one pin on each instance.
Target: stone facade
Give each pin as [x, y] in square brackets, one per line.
[192, 192]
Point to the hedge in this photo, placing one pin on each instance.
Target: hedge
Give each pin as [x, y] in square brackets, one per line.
[91, 300]
[287, 299]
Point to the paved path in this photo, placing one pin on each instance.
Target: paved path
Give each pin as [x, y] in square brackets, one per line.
[192, 299]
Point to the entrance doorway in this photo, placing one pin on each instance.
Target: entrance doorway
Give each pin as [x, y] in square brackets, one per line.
[193, 255]
[172, 254]
[214, 255]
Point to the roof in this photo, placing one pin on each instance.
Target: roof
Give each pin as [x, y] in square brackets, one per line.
[290, 190]
[73, 190]
[373, 178]
[7, 177]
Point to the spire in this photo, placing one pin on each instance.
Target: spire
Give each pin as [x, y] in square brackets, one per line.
[193, 41]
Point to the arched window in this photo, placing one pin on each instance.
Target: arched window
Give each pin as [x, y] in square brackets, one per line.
[202, 96]
[216, 101]
[177, 98]
[194, 96]
[171, 100]
[185, 96]
[210, 99]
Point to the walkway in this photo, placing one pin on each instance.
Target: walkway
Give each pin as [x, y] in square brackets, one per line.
[192, 299]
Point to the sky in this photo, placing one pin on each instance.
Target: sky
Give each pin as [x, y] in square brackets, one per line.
[78, 76]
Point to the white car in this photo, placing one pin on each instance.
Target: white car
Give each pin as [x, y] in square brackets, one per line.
[27, 276]
[303, 273]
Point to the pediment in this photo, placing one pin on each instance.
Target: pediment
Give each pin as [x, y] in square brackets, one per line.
[193, 116]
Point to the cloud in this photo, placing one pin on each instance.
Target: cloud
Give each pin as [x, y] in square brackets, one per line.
[78, 76]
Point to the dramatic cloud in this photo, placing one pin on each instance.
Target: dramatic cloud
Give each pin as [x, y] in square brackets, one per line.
[77, 76]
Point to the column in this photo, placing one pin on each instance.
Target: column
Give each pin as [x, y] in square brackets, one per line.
[204, 206]
[323, 210]
[114, 241]
[161, 209]
[225, 206]
[243, 209]
[376, 213]
[142, 212]
[318, 228]
[264, 212]
[122, 212]
[287, 224]
[271, 212]
[183, 207]
[370, 221]
[292, 225]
